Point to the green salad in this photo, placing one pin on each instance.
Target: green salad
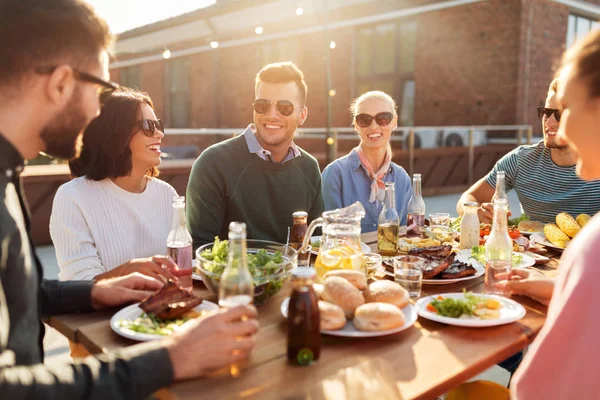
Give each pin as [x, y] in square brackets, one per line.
[262, 265]
[515, 221]
[148, 323]
[478, 253]
[455, 308]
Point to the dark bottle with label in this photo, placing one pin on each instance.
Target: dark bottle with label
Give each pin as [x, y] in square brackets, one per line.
[297, 234]
[304, 334]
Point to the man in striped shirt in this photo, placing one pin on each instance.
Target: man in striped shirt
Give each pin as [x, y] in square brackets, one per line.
[542, 174]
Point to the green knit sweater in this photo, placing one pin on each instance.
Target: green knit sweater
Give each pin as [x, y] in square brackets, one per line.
[228, 183]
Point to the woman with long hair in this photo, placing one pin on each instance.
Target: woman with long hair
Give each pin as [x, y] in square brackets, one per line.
[114, 217]
[361, 175]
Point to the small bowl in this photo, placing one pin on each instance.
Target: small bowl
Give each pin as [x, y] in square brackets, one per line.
[266, 284]
[440, 232]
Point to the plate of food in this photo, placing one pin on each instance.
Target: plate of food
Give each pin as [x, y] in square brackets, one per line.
[351, 308]
[442, 266]
[470, 310]
[477, 255]
[315, 244]
[540, 238]
[160, 314]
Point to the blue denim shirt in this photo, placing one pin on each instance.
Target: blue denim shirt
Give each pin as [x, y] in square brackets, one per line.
[346, 181]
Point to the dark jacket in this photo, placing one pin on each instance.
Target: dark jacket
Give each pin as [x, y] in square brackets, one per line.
[25, 297]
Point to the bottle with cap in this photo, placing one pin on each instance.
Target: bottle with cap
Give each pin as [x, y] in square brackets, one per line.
[469, 226]
[299, 228]
[415, 219]
[303, 334]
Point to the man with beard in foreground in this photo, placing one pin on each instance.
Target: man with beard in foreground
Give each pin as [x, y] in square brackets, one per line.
[542, 174]
[51, 73]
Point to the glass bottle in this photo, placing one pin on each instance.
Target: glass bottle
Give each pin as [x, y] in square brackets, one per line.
[498, 249]
[500, 193]
[236, 286]
[469, 226]
[179, 244]
[415, 219]
[388, 224]
[297, 234]
[304, 333]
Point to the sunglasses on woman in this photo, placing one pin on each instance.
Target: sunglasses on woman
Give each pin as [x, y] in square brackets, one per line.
[285, 107]
[149, 126]
[547, 112]
[382, 119]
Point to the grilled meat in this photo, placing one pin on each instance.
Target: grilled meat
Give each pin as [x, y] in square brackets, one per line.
[433, 251]
[170, 302]
[433, 267]
[458, 270]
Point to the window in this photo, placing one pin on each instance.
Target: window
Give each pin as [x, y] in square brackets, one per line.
[132, 77]
[385, 60]
[578, 27]
[178, 81]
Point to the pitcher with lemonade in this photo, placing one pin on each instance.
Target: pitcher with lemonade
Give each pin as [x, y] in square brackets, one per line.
[340, 243]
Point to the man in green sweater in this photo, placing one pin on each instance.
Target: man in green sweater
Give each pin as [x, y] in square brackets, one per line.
[260, 177]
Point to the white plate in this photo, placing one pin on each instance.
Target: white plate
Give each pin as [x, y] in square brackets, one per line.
[133, 311]
[460, 257]
[465, 256]
[541, 239]
[531, 233]
[363, 246]
[349, 330]
[511, 311]
[197, 277]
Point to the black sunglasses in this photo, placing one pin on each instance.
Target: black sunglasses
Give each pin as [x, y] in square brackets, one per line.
[105, 88]
[547, 112]
[285, 107]
[382, 119]
[149, 126]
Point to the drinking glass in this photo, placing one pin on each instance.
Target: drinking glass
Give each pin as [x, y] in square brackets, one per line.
[494, 268]
[439, 219]
[373, 263]
[408, 273]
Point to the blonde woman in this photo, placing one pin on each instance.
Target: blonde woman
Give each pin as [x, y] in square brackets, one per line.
[361, 175]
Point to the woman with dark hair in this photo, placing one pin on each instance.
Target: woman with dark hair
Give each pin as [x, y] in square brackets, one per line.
[115, 210]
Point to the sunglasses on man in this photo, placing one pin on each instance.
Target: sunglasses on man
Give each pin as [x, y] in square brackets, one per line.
[547, 112]
[149, 126]
[285, 107]
[382, 119]
[105, 88]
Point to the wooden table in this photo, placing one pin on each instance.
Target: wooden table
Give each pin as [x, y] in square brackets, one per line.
[421, 362]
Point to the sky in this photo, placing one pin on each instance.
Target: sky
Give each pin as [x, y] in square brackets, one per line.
[123, 15]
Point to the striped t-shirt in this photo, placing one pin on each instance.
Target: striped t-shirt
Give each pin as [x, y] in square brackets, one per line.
[544, 188]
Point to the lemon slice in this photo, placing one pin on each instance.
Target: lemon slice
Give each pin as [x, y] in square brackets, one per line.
[331, 259]
[356, 261]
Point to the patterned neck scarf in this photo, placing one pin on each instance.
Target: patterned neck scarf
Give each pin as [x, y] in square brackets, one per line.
[377, 184]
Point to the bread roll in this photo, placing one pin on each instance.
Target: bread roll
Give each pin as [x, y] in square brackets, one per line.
[318, 288]
[387, 292]
[530, 226]
[372, 317]
[356, 278]
[332, 316]
[343, 294]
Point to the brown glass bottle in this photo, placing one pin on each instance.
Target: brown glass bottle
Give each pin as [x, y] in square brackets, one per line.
[297, 234]
[304, 334]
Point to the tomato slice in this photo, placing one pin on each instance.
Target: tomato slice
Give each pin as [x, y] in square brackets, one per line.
[431, 308]
[513, 233]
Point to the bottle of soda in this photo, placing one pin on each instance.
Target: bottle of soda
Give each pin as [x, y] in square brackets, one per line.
[304, 334]
[498, 249]
[179, 244]
[236, 286]
[388, 224]
[500, 193]
[299, 228]
[415, 219]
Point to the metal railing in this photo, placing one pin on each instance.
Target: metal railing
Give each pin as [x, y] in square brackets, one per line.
[524, 134]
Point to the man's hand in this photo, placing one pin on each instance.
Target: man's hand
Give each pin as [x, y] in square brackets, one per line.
[158, 267]
[485, 212]
[214, 342]
[528, 283]
[122, 290]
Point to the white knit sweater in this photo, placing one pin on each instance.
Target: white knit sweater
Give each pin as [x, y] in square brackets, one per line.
[97, 226]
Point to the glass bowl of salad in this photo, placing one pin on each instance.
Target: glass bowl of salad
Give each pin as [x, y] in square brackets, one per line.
[270, 265]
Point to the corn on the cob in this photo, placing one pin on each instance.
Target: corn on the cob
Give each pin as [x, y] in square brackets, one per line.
[556, 236]
[582, 219]
[567, 224]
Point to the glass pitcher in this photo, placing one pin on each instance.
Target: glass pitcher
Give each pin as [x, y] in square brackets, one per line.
[340, 243]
